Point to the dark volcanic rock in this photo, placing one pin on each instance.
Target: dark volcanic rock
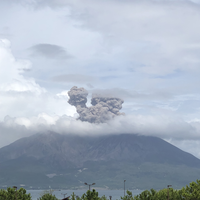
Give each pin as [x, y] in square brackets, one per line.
[79, 149]
[108, 159]
[127, 147]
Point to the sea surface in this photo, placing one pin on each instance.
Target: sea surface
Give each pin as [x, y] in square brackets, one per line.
[116, 194]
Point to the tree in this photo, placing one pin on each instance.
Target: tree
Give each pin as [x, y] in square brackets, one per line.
[104, 198]
[21, 195]
[129, 196]
[147, 195]
[12, 194]
[73, 196]
[160, 195]
[90, 195]
[191, 192]
[48, 197]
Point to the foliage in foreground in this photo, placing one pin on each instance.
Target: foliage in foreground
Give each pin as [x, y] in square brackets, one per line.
[48, 197]
[91, 195]
[191, 192]
[12, 194]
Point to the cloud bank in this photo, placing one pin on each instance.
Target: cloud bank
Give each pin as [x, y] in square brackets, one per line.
[23, 96]
[146, 52]
[11, 70]
[175, 130]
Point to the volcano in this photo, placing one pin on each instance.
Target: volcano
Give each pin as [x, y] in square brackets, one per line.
[67, 161]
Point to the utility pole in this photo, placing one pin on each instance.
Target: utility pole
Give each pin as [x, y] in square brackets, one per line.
[168, 191]
[89, 184]
[64, 194]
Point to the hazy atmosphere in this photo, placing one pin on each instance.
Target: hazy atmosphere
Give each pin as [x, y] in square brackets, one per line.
[143, 54]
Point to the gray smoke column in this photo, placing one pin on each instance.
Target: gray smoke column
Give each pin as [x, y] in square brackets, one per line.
[102, 109]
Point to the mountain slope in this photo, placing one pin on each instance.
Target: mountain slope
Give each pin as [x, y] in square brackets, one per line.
[70, 160]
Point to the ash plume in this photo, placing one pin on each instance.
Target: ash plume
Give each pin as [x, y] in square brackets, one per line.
[102, 109]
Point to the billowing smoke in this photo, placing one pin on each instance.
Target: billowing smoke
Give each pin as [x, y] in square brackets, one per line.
[102, 109]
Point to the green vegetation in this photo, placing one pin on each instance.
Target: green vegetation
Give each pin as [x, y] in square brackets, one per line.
[48, 197]
[191, 192]
[91, 195]
[12, 194]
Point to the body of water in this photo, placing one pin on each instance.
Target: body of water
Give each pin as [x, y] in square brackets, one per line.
[116, 194]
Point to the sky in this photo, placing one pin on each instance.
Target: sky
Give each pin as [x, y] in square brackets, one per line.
[145, 52]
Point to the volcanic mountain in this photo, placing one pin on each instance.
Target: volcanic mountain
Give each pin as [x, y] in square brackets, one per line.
[67, 161]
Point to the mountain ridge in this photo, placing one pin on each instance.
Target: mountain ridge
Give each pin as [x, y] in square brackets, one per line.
[108, 158]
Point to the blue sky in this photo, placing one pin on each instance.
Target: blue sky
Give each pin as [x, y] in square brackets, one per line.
[145, 52]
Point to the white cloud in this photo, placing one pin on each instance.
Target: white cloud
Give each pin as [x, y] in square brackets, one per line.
[148, 51]
[175, 130]
[20, 96]
[63, 94]
[11, 70]
[191, 146]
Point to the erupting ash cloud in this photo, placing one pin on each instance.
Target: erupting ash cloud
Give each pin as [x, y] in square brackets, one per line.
[102, 109]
